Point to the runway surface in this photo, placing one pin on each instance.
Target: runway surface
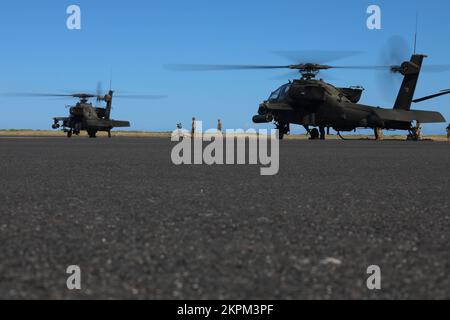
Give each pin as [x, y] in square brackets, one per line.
[141, 228]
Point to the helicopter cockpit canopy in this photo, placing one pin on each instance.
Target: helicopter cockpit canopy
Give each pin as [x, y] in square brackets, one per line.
[280, 94]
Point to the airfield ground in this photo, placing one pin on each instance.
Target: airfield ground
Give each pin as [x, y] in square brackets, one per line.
[149, 134]
[140, 227]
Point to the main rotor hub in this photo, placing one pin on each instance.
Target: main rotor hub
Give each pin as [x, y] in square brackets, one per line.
[309, 74]
[309, 70]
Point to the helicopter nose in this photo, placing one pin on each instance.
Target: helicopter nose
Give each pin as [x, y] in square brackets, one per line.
[258, 119]
[263, 109]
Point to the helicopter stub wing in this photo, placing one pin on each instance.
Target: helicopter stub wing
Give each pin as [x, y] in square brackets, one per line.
[102, 124]
[409, 115]
[279, 106]
[61, 119]
[120, 124]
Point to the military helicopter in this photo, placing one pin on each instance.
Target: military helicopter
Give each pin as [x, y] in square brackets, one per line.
[314, 103]
[84, 116]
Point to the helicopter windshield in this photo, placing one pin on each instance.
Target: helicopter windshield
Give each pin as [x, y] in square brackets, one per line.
[281, 93]
[274, 96]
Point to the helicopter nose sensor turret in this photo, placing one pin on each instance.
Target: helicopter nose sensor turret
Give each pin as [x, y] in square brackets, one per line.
[258, 119]
[263, 115]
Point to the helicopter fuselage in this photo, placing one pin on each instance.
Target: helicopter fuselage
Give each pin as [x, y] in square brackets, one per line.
[316, 103]
[85, 117]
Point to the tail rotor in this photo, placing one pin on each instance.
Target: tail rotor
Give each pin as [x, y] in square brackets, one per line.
[393, 54]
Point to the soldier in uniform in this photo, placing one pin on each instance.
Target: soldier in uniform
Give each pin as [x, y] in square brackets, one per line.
[418, 131]
[194, 126]
[415, 133]
[180, 130]
[448, 133]
[378, 134]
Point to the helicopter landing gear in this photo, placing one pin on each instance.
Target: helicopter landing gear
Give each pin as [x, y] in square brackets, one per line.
[283, 129]
[69, 134]
[308, 130]
[109, 134]
[322, 133]
[55, 125]
[92, 134]
[315, 134]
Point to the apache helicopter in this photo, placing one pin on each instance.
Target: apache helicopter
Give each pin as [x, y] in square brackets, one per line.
[314, 103]
[84, 116]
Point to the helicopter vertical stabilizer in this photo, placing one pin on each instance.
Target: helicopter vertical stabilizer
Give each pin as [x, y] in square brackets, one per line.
[108, 100]
[411, 71]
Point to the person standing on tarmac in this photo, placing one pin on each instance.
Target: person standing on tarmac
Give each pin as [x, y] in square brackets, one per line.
[219, 126]
[419, 135]
[448, 133]
[378, 134]
[194, 127]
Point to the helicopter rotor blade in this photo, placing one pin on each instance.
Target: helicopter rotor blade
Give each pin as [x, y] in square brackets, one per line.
[99, 89]
[397, 51]
[394, 53]
[299, 58]
[24, 94]
[304, 66]
[443, 92]
[316, 56]
[385, 67]
[436, 68]
[80, 96]
[100, 96]
[141, 97]
[219, 67]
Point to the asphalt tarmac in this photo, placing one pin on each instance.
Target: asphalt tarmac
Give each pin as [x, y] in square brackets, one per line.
[140, 227]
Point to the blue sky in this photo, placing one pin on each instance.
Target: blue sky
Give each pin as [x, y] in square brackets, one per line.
[137, 37]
